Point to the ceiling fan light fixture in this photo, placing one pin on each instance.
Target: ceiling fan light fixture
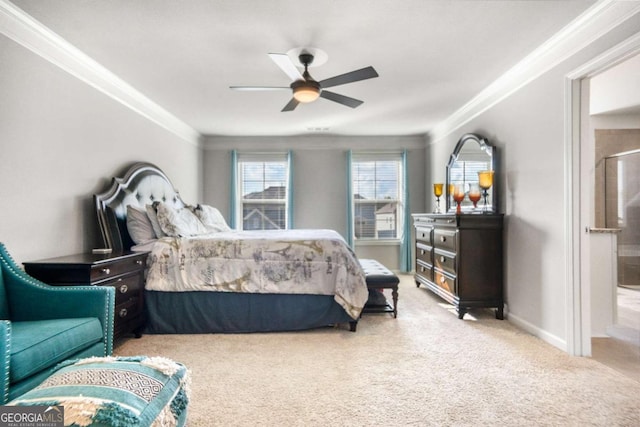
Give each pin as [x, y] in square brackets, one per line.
[305, 91]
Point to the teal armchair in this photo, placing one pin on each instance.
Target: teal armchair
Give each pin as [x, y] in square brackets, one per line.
[42, 325]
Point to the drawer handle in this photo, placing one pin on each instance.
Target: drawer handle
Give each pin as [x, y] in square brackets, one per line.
[123, 313]
[443, 239]
[424, 235]
[450, 221]
[442, 259]
[139, 262]
[421, 251]
[124, 289]
[106, 271]
[442, 279]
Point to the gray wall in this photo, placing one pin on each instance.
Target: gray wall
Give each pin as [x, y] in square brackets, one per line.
[62, 141]
[320, 199]
[528, 129]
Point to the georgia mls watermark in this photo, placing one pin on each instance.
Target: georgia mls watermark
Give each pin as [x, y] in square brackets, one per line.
[31, 416]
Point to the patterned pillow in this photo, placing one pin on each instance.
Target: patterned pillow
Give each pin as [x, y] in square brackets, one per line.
[180, 222]
[211, 218]
[115, 391]
[152, 213]
[139, 226]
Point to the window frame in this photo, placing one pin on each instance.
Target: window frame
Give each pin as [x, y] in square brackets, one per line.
[240, 201]
[383, 156]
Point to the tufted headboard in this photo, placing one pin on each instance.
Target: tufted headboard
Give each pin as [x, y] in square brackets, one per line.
[141, 185]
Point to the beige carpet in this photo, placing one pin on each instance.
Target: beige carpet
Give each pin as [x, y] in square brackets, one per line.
[425, 368]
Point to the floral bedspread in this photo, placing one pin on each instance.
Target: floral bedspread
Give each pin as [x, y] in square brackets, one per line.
[284, 261]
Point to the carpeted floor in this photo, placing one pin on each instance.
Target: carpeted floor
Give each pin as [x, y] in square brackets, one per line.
[425, 368]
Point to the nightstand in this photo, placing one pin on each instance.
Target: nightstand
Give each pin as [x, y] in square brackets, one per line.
[123, 271]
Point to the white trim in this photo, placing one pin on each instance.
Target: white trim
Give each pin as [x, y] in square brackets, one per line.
[33, 35]
[536, 331]
[578, 311]
[586, 28]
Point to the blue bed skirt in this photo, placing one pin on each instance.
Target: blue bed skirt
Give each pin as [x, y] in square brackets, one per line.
[227, 312]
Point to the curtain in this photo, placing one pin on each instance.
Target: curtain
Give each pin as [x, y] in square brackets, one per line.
[289, 190]
[405, 242]
[232, 191]
[349, 236]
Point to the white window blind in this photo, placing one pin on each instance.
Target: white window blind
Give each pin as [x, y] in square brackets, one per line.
[377, 195]
[262, 191]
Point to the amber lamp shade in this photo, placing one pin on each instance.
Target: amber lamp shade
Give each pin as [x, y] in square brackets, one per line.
[485, 179]
[437, 191]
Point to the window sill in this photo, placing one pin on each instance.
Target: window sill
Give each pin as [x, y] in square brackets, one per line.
[377, 242]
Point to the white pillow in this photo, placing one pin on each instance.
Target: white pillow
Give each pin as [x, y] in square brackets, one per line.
[211, 218]
[139, 225]
[153, 217]
[180, 222]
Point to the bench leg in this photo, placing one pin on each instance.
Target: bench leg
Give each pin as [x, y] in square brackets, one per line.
[394, 295]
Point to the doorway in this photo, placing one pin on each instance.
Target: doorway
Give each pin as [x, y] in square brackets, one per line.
[609, 187]
[580, 161]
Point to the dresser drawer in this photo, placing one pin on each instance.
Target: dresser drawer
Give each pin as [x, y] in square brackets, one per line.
[423, 252]
[445, 261]
[108, 270]
[423, 234]
[444, 281]
[424, 269]
[444, 239]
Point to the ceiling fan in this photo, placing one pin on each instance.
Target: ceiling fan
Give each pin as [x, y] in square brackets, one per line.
[306, 89]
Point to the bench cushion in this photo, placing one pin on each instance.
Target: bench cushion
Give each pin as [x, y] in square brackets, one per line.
[116, 391]
[39, 344]
[378, 274]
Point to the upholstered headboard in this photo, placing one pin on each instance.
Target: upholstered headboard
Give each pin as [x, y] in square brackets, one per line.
[141, 185]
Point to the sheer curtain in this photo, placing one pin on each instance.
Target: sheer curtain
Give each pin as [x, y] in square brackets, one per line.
[290, 190]
[405, 242]
[232, 191]
[349, 236]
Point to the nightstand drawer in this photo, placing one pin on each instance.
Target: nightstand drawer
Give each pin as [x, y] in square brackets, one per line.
[127, 286]
[107, 270]
[127, 310]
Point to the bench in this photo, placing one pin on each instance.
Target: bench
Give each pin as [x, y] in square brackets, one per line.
[379, 277]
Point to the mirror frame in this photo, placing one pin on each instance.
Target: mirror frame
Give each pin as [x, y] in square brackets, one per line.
[492, 199]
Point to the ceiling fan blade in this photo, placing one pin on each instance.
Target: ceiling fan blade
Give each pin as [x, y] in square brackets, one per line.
[353, 76]
[282, 60]
[291, 105]
[340, 99]
[259, 87]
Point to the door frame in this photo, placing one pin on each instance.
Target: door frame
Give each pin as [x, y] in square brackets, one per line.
[579, 199]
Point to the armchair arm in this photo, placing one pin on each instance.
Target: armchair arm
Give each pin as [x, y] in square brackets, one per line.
[31, 299]
[5, 351]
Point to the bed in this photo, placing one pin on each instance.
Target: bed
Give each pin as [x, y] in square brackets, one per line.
[213, 279]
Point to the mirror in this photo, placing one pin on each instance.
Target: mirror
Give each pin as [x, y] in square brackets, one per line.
[472, 154]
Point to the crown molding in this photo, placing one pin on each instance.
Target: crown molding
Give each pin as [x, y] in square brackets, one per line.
[596, 21]
[33, 35]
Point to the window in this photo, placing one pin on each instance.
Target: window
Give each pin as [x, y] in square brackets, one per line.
[376, 181]
[262, 192]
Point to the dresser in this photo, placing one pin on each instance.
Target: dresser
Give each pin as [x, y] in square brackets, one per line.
[460, 259]
[123, 271]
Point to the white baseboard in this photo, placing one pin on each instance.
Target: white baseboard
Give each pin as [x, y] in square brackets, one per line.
[537, 332]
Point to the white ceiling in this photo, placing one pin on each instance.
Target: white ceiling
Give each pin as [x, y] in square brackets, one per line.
[433, 56]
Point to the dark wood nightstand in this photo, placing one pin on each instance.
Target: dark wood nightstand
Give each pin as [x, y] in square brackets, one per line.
[123, 271]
